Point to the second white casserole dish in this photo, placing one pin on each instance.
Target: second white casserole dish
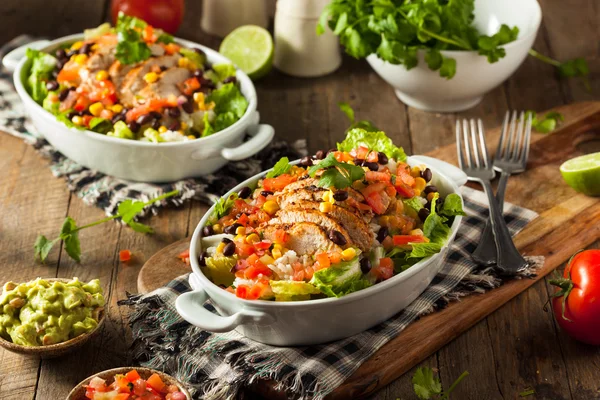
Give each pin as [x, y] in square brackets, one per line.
[322, 320]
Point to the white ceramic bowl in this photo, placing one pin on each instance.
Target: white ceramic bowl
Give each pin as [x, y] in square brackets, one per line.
[426, 90]
[314, 321]
[145, 161]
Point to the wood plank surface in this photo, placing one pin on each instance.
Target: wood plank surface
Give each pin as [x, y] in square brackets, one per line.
[499, 352]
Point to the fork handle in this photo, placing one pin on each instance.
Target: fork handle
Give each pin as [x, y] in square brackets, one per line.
[485, 253]
[508, 258]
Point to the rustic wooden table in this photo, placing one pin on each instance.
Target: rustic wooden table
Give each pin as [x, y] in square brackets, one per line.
[517, 347]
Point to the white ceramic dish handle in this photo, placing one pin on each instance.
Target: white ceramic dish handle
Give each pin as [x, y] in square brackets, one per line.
[11, 59]
[454, 173]
[190, 306]
[262, 134]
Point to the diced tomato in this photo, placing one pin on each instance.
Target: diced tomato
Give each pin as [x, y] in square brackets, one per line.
[189, 86]
[403, 173]
[98, 384]
[308, 273]
[244, 249]
[148, 34]
[254, 270]
[378, 176]
[241, 291]
[89, 393]
[362, 152]
[388, 243]
[373, 157]
[252, 259]
[391, 191]
[281, 236]
[404, 190]
[323, 260]
[278, 183]
[385, 269]
[133, 375]
[342, 156]
[374, 187]
[69, 73]
[81, 104]
[124, 256]
[172, 48]
[122, 384]
[376, 202]
[86, 120]
[259, 290]
[400, 240]
[364, 207]
[335, 257]
[262, 245]
[298, 275]
[139, 386]
[243, 219]
[155, 382]
[122, 396]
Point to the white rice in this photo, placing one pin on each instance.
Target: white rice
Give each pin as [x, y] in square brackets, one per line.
[283, 265]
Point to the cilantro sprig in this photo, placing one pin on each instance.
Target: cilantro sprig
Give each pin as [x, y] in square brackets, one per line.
[69, 233]
[131, 48]
[427, 386]
[337, 174]
[281, 167]
[547, 123]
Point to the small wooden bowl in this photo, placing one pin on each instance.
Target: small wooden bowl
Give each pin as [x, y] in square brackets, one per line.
[58, 349]
[78, 392]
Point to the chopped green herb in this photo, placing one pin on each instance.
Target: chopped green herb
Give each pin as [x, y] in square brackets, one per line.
[337, 174]
[281, 167]
[527, 392]
[547, 124]
[131, 48]
[427, 386]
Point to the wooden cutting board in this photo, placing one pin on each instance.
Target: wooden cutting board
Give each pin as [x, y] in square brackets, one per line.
[568, 221]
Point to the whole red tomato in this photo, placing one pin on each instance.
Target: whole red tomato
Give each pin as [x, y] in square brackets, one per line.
[163, 14]
[576, 303]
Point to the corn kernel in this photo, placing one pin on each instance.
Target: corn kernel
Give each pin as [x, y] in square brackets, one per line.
[95, 47]
[415, 172]
[77, 120]
[327, 196]
[80, 58]
[239, 238]
[210, 106]
[276, 253]
[191, 137]
[267, 259]
[184, 126]
[151, 77]
[420, 183]
[416, 232]
[183, 62]
[220, 247]
[277, 246]
[199, 97]
[96, 109]
[271, 207]
[252, 238]
[162, 129]
[351, 162]
[217, 228]
[325, 207]
[117, 108]
[417, 192]
[348, 254]
[102, 75]
[430, 196]
[77, 45]
[240, 230]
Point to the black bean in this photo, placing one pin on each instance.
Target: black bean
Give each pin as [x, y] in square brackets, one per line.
[245, 192]
[198, 73]
[424, 213]
[188, 107]
[86, 48]
[373, 166]
[208, 231]
[202, 259]
[174, 126]
[359, 162]
[340, 195]
[430, 189]
[365, 265]
[226, 240]
[230, 230]
[382, 158]
[174, 112]
[55, 73]
[229, 249]
[230, 79]
[117, 118]
[52, 85]
[266, 193]
[337, 238]
[206, 82]
[427, 175]
[61, 53]
[133, 126]
[155, 124]
[306, 161]
[382, 234]
[156, 114]
[144, 119]
[163, 68]
[72, 114]
[428, 205]
[320, 155]
[63, 94]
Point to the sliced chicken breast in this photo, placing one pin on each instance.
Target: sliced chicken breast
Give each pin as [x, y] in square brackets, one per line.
[305, 238]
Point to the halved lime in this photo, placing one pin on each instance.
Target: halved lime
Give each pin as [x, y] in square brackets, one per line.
[250, 47]
[583, 173]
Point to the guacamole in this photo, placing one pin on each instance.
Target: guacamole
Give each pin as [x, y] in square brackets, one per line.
[41, 312]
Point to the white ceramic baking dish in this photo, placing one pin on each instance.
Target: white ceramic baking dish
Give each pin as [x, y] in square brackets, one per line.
[314, 321]
[145, 161]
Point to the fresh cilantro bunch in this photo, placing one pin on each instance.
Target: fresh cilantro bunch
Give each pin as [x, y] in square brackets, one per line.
[69, 232]
[337, 174]
[396, 29]
[427, 386]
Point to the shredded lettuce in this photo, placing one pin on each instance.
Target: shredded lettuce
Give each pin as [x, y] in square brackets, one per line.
[196, 58]
[413, 203]
[121, 130]
[293, 290]
[153, 135]
[208, 128]
[63, 117]
[49, 105]
[224, 71]
[225, 120]
[223, 205]
[375, 141]
[218, 270]
[100, 125]
[452, 206]
[131, 48]
[340, 279]
[228, 98]
[42, 65]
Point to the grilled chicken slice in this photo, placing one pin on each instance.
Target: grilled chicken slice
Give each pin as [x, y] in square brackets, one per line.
[311, 184]
[305, 238]
[166, 85]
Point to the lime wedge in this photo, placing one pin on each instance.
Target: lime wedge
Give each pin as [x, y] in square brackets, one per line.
[250, 47]
[583, 174]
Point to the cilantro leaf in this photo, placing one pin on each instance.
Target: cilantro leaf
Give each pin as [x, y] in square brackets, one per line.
[69, 235]
[42, 247]
[337, 174]
[130, 48]
[375, 141]
[547, 124]
[347, 109]
[223, 205]
[448, 69]
[364, 124]
[425, 384]
[127, 210]
[281, 167]
[165, 38]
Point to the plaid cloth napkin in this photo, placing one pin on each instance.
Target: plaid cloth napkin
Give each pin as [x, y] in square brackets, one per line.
[217, 365]
[107, 192]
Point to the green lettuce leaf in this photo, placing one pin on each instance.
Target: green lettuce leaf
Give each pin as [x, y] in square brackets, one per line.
[224, 71]
[218, 270]
[130, 48]
[93, 33]
[223, 205]
[340, 279]
[196, 58]
[376, 141]
[452, 206]
[52, 106]
[224, 120]
[293, 290]
[208, 128]
[435, 227]
[228, 98]
[42, 65]
[153, 135]
[121, 130]
[100, 125]
[62, 117]
[422, 250]
[413, 203]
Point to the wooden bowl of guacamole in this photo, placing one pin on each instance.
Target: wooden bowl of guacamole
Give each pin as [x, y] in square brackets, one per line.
[48, 318]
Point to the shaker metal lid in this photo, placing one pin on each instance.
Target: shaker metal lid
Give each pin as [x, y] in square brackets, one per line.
[307, 9]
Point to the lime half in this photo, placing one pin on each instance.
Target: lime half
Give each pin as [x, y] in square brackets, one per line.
[583, 173]
[250, 47]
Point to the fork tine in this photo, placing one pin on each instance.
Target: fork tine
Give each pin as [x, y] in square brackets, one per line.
[527, 141]
[468, 155]
[459, 147]
[509, 142]
[519, 138]
[502, 142]
[474, 141]
[484, 152]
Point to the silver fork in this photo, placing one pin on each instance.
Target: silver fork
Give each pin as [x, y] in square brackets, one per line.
[511, 158]
[481, 170]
